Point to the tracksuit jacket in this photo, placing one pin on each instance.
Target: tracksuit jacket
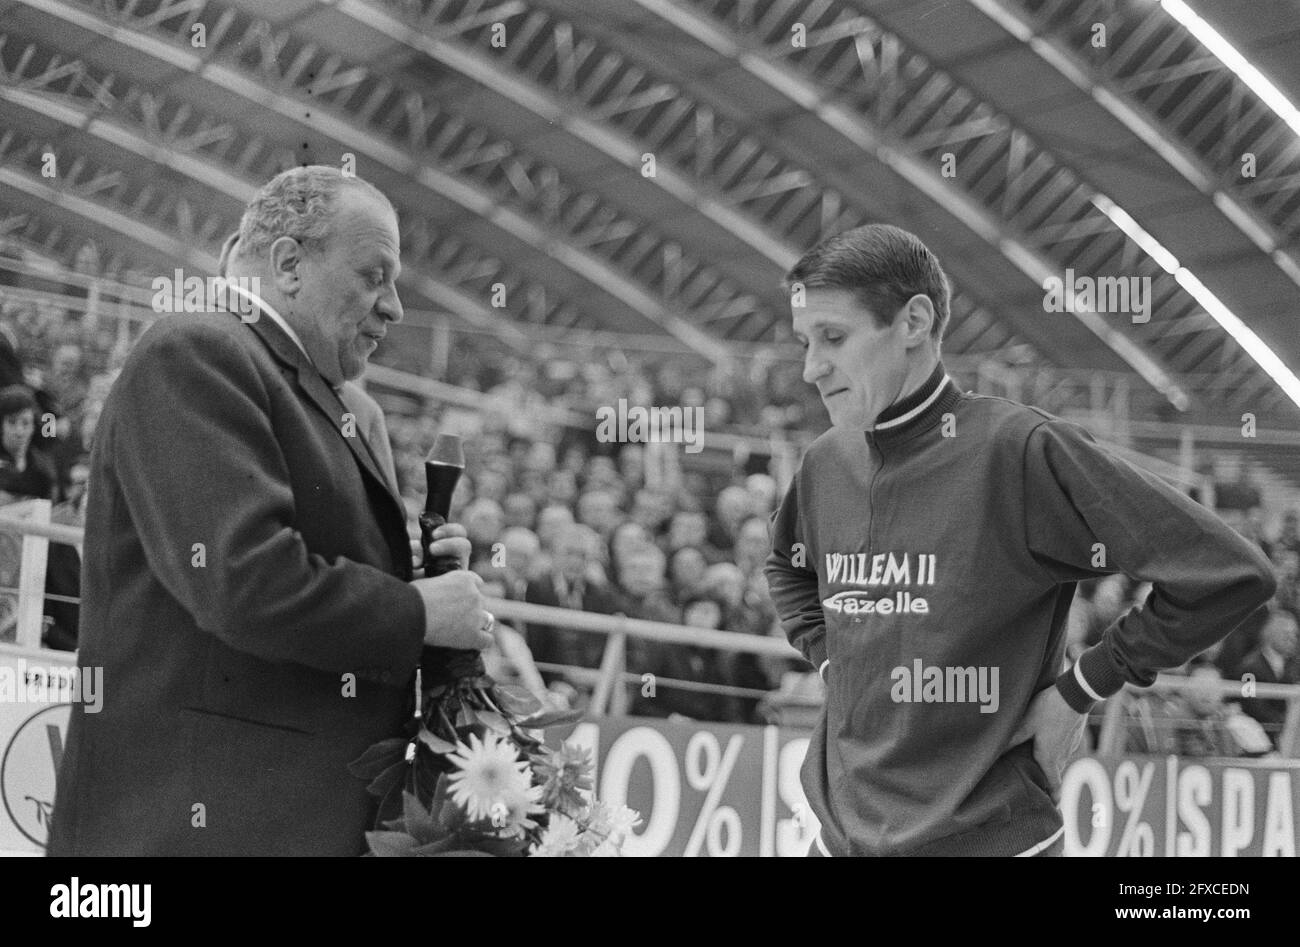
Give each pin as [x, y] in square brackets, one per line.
[927, 569]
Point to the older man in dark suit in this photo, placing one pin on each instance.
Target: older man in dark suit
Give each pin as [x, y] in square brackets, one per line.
[1273, 662]
[247, 571]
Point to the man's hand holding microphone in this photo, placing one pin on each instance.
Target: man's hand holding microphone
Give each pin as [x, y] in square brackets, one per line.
[454, 616]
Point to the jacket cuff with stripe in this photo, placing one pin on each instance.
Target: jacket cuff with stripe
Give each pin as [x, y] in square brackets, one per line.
[1091, 679]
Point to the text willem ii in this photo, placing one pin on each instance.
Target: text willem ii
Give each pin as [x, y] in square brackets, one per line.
[886, 568]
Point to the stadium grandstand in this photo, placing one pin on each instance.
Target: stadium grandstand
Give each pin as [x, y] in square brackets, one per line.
[598, 206]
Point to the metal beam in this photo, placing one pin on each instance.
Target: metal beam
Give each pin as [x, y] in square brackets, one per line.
[601, 275]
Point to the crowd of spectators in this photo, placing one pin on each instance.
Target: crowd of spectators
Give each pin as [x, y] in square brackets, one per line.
[55, 372]
[587, 531]
[1202, 720]
[557, 518]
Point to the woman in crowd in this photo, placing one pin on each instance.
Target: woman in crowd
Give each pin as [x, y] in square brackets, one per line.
[23, 472]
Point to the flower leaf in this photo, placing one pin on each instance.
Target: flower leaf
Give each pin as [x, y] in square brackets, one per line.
[436, 743]
[378, 758]
[515, 700]
[417, 822]
[384, 783]
[449, 815]
[552, 718]
[494, 722]
[390, 844]
[442, 846]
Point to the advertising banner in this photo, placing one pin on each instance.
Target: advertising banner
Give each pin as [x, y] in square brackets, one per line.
[35, 699]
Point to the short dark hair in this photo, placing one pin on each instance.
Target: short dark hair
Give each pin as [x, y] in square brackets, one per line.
[16, 399]
[883, 266]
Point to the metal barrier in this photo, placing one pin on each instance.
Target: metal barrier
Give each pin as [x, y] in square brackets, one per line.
[30, 520]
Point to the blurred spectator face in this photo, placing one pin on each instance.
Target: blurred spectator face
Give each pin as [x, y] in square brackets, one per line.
[573, 549]
[772, 417]
[687, 567]
[642, 572]
[732, 507]
[518, 452]
[597, 509]
[575, 458]
[650, 509]
[541, 457]
[520, 510]
[1287, 564]
[100, 385]
[703, 613]
[762, 493]
[626, 539]
[66, 362]
[727, 582]
[490, 444]
[1205, 699]
[492, 485]
[752, 545]
[1280, 633]
[534, 485]
[521, 548]
[717, 413]
[687, 529]
[601, 472]
[631, 463]
[562, 487]
[1255, 523]
[483, 522]
[17, 432]
[671, 378]
[640, 391]
[550, 522]
[78, 476]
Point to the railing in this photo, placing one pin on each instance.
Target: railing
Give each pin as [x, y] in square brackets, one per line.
[30, 520]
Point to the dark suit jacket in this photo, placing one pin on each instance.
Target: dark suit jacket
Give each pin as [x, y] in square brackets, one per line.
[553, 645]
[1271, 714]
[228, 720]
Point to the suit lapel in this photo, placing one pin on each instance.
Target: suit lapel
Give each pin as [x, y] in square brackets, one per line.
[319, 392]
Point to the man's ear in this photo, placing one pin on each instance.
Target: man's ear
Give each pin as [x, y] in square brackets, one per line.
[286, 264]
[918, 317]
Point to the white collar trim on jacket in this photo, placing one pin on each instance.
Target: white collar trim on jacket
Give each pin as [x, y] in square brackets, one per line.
[904, 418]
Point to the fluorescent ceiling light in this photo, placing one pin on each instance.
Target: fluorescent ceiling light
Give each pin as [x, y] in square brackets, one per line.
[1213, 40]
[1255, 347]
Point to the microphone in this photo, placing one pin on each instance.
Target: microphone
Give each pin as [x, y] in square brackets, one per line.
[442, 470]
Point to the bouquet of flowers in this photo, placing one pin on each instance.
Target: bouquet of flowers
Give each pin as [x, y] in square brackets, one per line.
[471, 776]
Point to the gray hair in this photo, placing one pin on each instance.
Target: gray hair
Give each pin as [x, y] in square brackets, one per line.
[296, 203]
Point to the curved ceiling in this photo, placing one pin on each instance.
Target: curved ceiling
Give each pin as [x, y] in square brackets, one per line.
[516, 140]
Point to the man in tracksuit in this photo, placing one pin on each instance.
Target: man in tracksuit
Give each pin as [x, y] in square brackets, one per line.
[924, 560]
